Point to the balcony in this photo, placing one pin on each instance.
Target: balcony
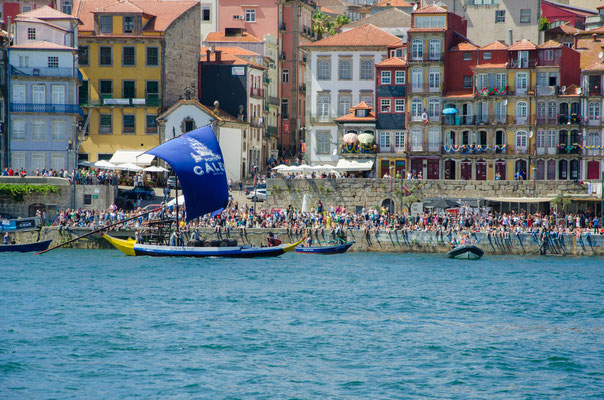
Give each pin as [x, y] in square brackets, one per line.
[569, 119]
[47, 108]
[593, 121]
[546, 90]
[257, 122]
[271, 131]
[257, 92]
[417, 147]
[434, 147]
[322, 118]
[358, 149]
[474, 149]
[594, 91]
[302, 88]
[427, 58]
[273, 100]
[425, 88]
[130, 102]
[478, 120]
[522, 120]
[514, 63]
[547, 120]
[492, 91]
[392, 149]
[521, 150]
[45, 72]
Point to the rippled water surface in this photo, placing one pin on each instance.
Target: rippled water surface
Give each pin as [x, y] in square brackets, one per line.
[99, 325]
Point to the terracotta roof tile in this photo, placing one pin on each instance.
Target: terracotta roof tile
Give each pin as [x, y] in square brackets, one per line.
[566, 28]
[163, 12]
[392, 62]
[595, 30]
[589, 50]
[465, 46]
[494, 65]
[328, 11]
[21, 18]
[42, 45]
[46, 13]
[431, 9]
[226, 58]
[496, 45]
[121, 7]
[221, 37]
[361, 106]
[460, 93]
[411, 30]
[350, 117]
[597, 66]
[364, 36]
[522, 45]
[234, 50]
[550, 44]
[393, 3]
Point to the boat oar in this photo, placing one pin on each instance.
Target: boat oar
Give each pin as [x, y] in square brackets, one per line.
[98, 230]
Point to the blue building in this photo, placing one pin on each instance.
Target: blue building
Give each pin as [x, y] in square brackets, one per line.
[44, 115]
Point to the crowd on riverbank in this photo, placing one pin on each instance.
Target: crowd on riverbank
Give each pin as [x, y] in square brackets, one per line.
[337, 220]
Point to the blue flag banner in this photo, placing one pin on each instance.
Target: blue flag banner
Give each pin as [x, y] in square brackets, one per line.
[197, 160]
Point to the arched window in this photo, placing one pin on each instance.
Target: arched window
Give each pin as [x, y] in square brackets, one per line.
[521, 112]
[417, 49]
[521, 140]
[540, 139]
[416, 109]
[594, 111]
[562, 169]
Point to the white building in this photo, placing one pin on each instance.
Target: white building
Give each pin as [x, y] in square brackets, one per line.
[339, 74]
[187, 115]
[44, 79]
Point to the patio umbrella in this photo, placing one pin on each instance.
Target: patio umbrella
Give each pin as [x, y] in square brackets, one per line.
[350, 138]
[366, 138]
[128, 167]
[153, 168]
[103, 164]
[449, 111]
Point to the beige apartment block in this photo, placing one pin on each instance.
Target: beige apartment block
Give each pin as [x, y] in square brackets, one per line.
[490, 20]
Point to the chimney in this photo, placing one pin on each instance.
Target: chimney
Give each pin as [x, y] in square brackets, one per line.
[208, 52]
[511, 37]
[575, 41]
[216, 105]
[218, 55]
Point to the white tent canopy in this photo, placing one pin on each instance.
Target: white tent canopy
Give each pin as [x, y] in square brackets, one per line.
[128, 167]
[353, 165]
[104, 164]
[131, 157]
[153, 168]
[181, 201]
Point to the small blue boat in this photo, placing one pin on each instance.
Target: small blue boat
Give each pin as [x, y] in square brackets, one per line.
[25, 247]
[466, 251]
[333, 249]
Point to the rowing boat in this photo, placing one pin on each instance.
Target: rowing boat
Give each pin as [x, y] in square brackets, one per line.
[333, 249]
[25, 247]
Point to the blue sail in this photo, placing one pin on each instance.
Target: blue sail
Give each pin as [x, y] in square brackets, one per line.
[197, 160]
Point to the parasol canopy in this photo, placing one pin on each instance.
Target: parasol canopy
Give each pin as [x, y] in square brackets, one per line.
[350, 138]
[449, 111]
[153, 168]
[128, 167]
[103, 164]
[366, 138]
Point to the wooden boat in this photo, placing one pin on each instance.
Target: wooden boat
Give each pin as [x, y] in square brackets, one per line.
[131, 248]
[332, 249]
[466, 251]
[25, 247]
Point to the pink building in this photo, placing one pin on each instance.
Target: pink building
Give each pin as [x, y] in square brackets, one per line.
[258, 19]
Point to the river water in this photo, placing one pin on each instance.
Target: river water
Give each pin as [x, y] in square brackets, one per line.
[94, 324]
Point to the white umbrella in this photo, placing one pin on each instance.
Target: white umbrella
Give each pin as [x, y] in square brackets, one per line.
[153, 168]
[181, 201]
[279, 167]
[129, 167]
[104, 164]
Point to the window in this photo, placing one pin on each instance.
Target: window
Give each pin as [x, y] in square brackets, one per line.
[205, 14]
[521, 139]
[499, 16]
[129, 124]
[540, 139]
[323, 104]
[285, 76]
[284, 109]
[467, 56]
[345, 69]
[344, 104]
[250, 15]
[84, 58]
[399, 105]
[38, 94]
[19, 93]
[429, 22]
[399, 77]
[467, 81]
[18, 129]
[367, 69]
[106, 22]
[521, 112]
[83, 93]
[385, 105]
[482, 81]
[17, 160]
[152, 90]
[324, 69]
[399, 140]
[501, 81]
[129, 56]
[58, 130]
[129, 24]
[416, 109]
[434, 49]
[433, 108]
[434, 79]
[67, 6]
[548, 55]
[486, 55]
[522, 81]
[128, 89]
[551, 139]
[541, 79]
[106, 89]
[53, 62]
[417, 49]
[105, 56]
[31, 33]
[151, 124]
[417, 138]
[57, 94]
[384, 139]
[38, 129]
[57, 161]
[38, 161]
[540, 110]
[367, 98]
[552, 110]
[434, 139]
[105, 123]
[385, 77]
[152, 56]
[24, 61]
[525, 16]
[323, 142]
[594, 111]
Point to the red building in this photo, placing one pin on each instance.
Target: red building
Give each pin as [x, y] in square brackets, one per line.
[558, 14]
[11, 8]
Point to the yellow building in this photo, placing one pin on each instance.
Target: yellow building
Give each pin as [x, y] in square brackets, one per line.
[137, 59]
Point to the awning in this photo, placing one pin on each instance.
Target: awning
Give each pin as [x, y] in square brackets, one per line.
[520, 199]
[131, 157]
[353, 165]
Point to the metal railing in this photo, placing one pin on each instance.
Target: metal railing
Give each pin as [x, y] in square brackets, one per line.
[425, 88]
[45, 72]
[461, 119]
[546, 90]
[257, 92]
[323, 118]
[426, 57]
[47, 108]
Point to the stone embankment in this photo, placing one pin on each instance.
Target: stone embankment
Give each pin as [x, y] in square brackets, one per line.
[383, 241]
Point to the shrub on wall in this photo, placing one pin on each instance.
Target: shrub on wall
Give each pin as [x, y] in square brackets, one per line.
[17, 192]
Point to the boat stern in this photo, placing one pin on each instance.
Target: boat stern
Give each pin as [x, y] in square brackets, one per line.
[125, 246]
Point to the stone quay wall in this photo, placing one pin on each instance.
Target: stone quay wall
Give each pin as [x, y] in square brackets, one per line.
[353, 192]
[382, 241]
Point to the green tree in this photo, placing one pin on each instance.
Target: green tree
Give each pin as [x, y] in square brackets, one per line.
[323, 24]
[543, 24]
